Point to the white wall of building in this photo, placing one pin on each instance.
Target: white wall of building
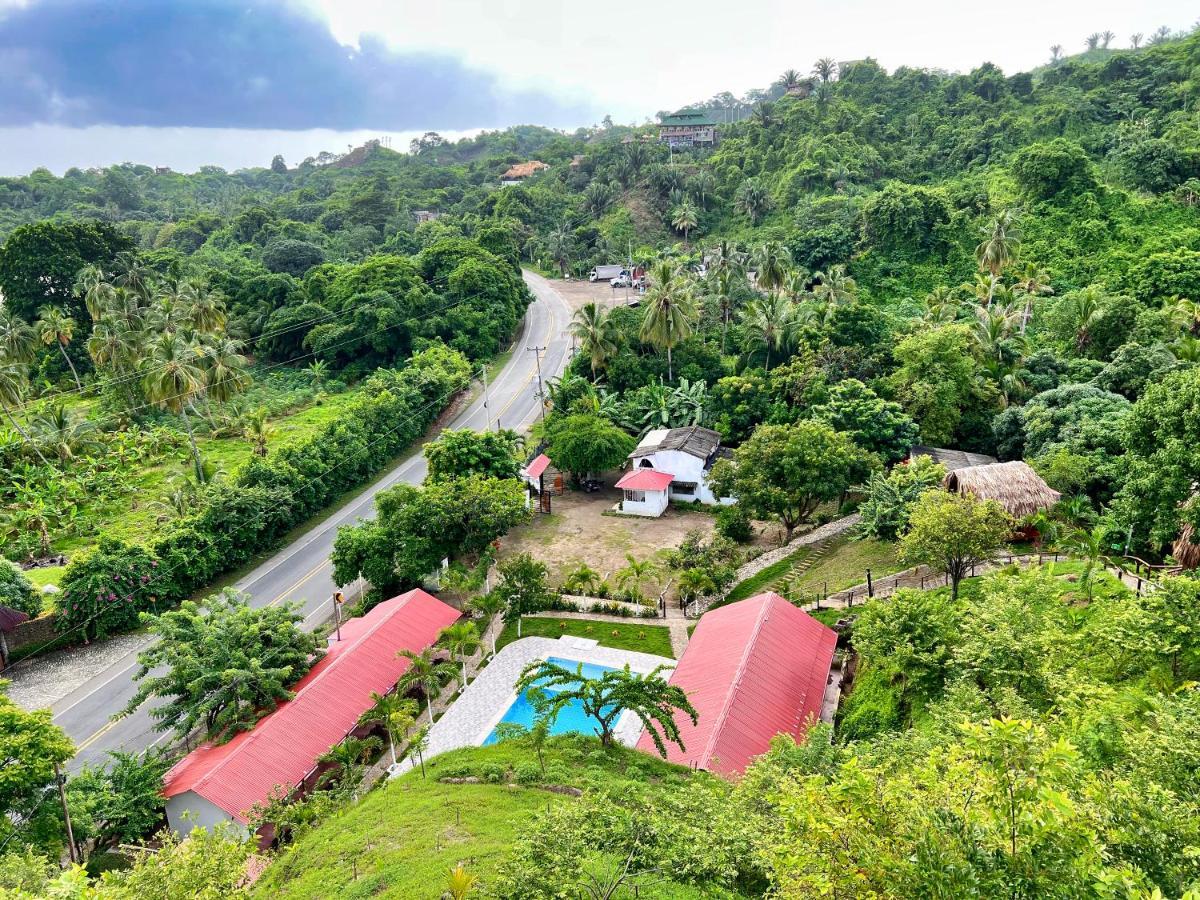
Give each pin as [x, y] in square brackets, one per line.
[687, 469]
[189, 810]
[654, 504]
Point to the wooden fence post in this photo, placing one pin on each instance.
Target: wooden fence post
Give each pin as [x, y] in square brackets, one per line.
[870, 586]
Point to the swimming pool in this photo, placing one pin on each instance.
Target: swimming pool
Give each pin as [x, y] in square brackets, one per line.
[570, 718]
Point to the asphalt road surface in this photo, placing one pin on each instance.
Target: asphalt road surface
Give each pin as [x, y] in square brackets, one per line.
[301, 572]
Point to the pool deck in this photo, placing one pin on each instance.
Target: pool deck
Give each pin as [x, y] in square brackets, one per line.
[471, 717]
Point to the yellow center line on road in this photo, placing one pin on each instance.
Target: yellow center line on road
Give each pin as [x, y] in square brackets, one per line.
[83, 745]
[311, 572]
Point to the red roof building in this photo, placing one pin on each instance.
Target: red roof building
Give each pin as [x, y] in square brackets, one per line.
[752, 670]
[645, 480]
[216, 783]
[538, 466]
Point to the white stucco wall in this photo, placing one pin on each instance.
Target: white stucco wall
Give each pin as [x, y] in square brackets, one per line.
[654, 505]
[189, 810]
[685, 467]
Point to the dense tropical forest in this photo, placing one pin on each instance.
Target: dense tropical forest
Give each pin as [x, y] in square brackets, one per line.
[192, 364]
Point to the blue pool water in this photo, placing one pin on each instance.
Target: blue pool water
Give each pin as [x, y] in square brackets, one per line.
[570, 718]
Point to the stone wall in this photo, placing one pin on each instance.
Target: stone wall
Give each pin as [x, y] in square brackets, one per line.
[30, 635]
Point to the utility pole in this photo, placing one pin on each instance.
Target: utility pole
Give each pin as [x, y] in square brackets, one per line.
[537, 353]
[62, 795]
[487, 410]
[338, 600]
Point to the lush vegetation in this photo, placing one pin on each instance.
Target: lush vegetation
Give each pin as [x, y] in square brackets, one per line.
[637, 636]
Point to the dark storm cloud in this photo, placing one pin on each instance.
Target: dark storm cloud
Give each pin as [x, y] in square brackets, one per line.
[222, 63]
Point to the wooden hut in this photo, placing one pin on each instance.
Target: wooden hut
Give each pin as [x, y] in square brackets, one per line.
[1014, 485]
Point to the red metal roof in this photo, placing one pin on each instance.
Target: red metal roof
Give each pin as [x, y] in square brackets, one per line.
[538, 466]
[645, 480]
[329, 700]
[752, 670]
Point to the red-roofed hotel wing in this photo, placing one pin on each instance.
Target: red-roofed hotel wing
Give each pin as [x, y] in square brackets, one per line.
[752, 670]
[223, 782]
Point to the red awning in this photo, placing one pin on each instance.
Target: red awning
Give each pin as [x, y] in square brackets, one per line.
[538, 466]
[283, 748]
[645, 480]
[752, 670]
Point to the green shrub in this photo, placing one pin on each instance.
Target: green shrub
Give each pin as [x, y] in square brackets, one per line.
[872, 707]
[492, 773]
[103, 592]
[733, 522]
[16, 591]
[527, 773]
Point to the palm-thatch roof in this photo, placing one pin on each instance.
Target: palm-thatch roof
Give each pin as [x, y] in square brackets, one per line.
[1014, 485]
[951, 459]
[1185, 549]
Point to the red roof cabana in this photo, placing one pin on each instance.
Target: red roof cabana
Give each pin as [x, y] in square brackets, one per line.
[752, 670]
[283, 748]
[538, 466]
[645, 480]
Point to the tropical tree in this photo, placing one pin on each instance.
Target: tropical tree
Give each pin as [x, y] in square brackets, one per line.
[1135, 40]
[1001, 237]
[55, 329]
[224, 368]
[172, 379]
[584, 443]
[258, 431]
[1083, 309]
[754, 199]
[670, 311]
[318, 372]
[1056, 52]
[424, 674]
[1092, 41]
[18, 341]
[348, 758]
[771, 262]
[790, 81]
[825, 68]
[597, 334]
[559, 244]
[1088, 544]
[834, 287]
[1106, 38]
[635, 571]
[650, 697]
[56, 432]
[460, 882]
[951, 534]
[487, 607]
[461, 639]
[13, 384]
[395, 713]
[769, 322]
[1032, 282]
[684, 218]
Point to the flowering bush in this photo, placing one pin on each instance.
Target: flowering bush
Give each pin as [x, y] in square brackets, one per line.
[103, 592]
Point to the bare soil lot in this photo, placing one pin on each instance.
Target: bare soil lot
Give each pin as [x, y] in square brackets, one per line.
[580, 293]
[577, 531]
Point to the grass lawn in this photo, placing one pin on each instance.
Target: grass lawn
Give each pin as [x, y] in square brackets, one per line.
[45, 575]
[399, 841]
[773, 573]
[635, 635]
[846, 564]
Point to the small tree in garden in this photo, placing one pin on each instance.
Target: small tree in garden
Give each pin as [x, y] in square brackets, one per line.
[786, 471]
[523, 588]
[584, 443]
[487, 606]
[461, 639]
[104, 591]
[395, 713]
[425, 675]
[950, 534]
[16, 591]
[461, 452]
[604, 699]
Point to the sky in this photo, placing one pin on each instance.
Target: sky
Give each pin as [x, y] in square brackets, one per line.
[183, 83]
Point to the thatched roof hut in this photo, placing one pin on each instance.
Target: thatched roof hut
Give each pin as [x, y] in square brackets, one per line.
[1014, 485]
[1185, 549]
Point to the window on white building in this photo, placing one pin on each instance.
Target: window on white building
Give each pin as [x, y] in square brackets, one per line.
[684, 488]
[635, 496]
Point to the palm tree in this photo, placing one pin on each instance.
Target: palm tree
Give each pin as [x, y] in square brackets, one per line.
[1186, 349]
[1135, 40]
[56, 328]
[12, 389]
[1083, 311]
[1093, 40]
[772, 262]
[999, 246]
[423, 674]
[18, 342]
[636, 571]
[1056, 52]
[1032, 282]
[702, 185]
[318, 372]
[670, 310]
[462, 639]
[835, 287]
[790, 81]
[258, 431]
[488, 606]
[172, 380]
[1161, 34]
[559, 244]
[459, 882]
[940, 306]
[182, 497]
[1087, 543]
[684, 218]
[597, 334]
[349, 757]
[725, 280]
[63, 438]
[224, 368]
[825, 68]
[769, 322]
[1106, 38]
[753, 199]
[96, 293]
[205, 312]
[395, 713]
[32, 516]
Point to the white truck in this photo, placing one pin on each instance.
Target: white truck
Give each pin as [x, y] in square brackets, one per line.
[606, 273]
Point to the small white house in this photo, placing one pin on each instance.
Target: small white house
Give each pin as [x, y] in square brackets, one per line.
[684, 456]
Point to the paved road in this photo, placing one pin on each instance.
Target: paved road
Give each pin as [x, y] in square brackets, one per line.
[301, 572]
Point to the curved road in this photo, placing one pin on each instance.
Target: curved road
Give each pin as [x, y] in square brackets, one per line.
[301, 572]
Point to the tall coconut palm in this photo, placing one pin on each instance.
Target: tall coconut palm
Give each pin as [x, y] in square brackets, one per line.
[1106, 38]
[132, 274]
[1083, 311]
[172, 379]
[62, 437]
[835, 287]
[1032, 282]
[461, 639]
[684, 218]
[670, 311]
[91, 286]
[790, 81]
[768, 322]
[18, 341]
[13, 384]
[205, 310]
[701, 186]
[1135, 40]
[597, 334]
[559, 244]
[725, 280]
[940, 306]
[825, 68]
[1092, 41]
[1056, 52]
[772, 262]
[258, 431]
[423, 674]
[55, 329]
[224, 367]
[1001, 237]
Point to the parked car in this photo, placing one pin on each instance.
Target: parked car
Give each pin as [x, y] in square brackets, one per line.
[621, 281]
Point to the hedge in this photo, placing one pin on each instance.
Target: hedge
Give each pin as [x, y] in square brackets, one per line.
[109, 587]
